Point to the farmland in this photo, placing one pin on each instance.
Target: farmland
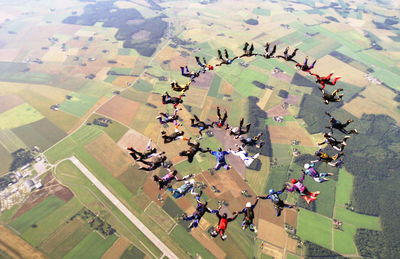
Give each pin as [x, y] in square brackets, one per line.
[66, 65]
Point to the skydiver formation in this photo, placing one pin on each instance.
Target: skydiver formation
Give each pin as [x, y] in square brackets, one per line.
[152, 160]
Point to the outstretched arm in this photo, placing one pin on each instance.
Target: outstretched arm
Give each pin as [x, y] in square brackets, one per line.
[232, 219]
[302, 177]
[255, 204]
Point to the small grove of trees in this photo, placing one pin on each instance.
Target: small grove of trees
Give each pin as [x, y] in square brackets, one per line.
[95, 222]
[21, 157]
[316, 251]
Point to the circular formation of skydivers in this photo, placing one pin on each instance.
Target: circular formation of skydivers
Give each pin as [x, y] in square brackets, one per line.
[152, 159]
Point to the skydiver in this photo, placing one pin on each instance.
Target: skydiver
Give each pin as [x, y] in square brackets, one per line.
[139, 156]
[221, 119]
[247, 52]
[244, 155]
[238, 131]
[204, 65]
[201, 209]
[289, 57]
[191, 74]
[194, 148]
[248, 212]
[222, 225]
[225, 60]
[325, 80]
[197, 123]
[298, 186]
[254, 141]
[220, 157]
[304, 67]
[336, 144]
[174, 136]
[317, 176]
[166, 98]
[178, 88]
[158, 161]
[335, 124]
[164, 118]
[327, 97]
[279, 205]
[333, 161]
[268, 54]
[187, 187]
[168, 178]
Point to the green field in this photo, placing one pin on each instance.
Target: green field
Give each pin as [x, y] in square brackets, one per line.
[98, 89]
[216, 82]
[132, 252]
[358, 220]
[326, 200]
[261, 11]
[343, 240]
[315, 228]
[68, 145]
[5, 160]
[42, 133]
[92, 246]
[115, 129]
[65, 238]
[18, 116]
[51, 222]
[143, 86]
[10, 141]
[79, 104]
[344, 188]
[186, 241]
[33, 216]
[158, 215]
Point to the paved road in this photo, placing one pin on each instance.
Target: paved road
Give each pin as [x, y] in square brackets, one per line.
[153, 238]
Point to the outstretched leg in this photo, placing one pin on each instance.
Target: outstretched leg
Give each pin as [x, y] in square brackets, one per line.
[220, 55]
[294, 53]
[313, 64]
[335, 80]
[273, 51]
[218, 113]
[226, 54]
[241, 123]
[266, 47]
[247, 128]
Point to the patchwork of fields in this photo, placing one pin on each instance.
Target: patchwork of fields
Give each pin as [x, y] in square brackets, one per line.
[54, 90]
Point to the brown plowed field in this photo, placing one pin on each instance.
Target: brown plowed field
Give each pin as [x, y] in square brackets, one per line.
[16, 247]
[117, 249]
[292, 131]
[9, 101]
[120, 109]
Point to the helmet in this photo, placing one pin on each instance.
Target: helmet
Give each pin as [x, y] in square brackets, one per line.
[293, 181]
[271, 191]
[192, 181]
[306, 166]
[248, 204]
[235, 130]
